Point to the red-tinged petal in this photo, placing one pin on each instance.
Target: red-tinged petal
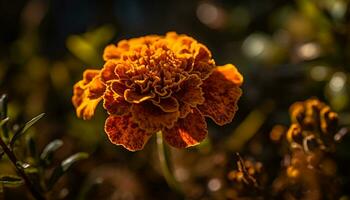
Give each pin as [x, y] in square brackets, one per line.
[167, 105]
[115, 104]
[188, 131]
[151, 118]
[184, 109]
[118, 87]
[191, 91]
[221, 93]
[136, 97]
[123, 131]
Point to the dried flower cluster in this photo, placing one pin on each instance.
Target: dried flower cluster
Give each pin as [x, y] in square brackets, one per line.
[159, 83]
[308, 169]
[246, 171]
[247, 179]
[313, 125]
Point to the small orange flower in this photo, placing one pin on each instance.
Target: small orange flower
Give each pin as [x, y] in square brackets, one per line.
[159, 83]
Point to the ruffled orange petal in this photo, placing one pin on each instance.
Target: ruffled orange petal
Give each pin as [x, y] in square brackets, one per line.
[203, 64]
[188, 131]
[111, 52]
[108, 71]
[118, 87]
[136, 97]
[123, 131]
[221, 93]
[115, 104]
[167, 105]
[231, 73]
[184, 109]
[144, 84]
[85, 107]
[161, 91]
[202, 53]
[191, 91]
[89, 74]
[96, 88]
[87, 93]
[152, 118]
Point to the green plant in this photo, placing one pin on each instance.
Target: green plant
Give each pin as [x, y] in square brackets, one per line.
[31, 167]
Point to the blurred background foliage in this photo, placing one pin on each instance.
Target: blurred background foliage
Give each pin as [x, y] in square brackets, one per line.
[287, 51]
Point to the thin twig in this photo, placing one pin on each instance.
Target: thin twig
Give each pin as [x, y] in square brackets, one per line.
[36, 194]
[247, 178]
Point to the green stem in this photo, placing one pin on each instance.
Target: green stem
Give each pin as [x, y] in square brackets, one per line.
[36, 194]
[3, 114]
[163, 154]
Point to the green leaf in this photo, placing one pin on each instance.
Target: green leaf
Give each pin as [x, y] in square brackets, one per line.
[31, 170]
[47, 154]
[4, 127]
[1, 153]
[31, 122]
[83, 49]
[32, 148]
[88, 187]
[3, 115]
[65, 166]
[21, 131]
[3, 106]
[11, 180]
[67, 163]
[4, 121]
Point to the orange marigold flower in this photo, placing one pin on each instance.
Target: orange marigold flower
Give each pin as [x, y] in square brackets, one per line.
[159, 83]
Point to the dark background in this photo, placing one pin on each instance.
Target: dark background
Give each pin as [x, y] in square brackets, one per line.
[287, 51]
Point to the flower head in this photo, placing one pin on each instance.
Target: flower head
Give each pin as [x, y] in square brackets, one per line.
[313, 122]
[159, 83]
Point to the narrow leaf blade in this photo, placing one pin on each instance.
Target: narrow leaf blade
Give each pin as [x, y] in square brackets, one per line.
[65, 166]
[3, 106]
[25, 128]
[32, 148]
[68, 162]
[11, 180]
[48, 151]
[31, 122]
[4, 121]
[3, 114]
[56, 175]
